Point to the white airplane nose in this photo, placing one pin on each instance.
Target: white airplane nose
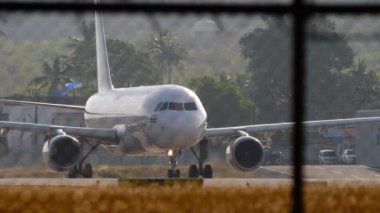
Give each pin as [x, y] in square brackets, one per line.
[182, 130]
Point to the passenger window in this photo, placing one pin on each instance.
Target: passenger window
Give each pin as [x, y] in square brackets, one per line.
[164, 106]
[158, 107]
[175, 106]
[190, 106]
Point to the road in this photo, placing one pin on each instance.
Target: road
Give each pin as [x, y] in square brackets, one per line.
[322, 172]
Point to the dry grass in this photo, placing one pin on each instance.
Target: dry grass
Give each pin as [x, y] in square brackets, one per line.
[185, 199]
[178, 198]
[30, 172]
[343, 198]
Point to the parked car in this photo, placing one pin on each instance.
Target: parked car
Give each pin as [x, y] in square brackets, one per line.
[327, 156]
[273, 157]
[348, 156]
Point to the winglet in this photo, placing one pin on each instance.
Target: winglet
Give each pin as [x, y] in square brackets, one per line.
[103, 69]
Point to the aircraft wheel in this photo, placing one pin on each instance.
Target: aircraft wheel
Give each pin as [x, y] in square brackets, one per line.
[73, 172]
[207, 171]
[193, 171]
[170, 173]
[177, 173]
[279, 161]
[87, 170]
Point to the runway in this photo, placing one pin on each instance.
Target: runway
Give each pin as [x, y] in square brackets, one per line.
[58, 182]
[264, 176]
[356, 172]
[216, 182]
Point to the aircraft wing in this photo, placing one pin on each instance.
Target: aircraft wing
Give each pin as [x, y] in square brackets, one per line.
[104, 135]
[226, 131]
[74, 107]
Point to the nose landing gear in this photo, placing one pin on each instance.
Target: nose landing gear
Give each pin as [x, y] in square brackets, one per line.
[173, 155]
[195, 171]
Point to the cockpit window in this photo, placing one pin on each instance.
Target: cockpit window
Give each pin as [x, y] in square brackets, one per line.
[175, 106]
[158, 107]
[190, 106]
[164, 106]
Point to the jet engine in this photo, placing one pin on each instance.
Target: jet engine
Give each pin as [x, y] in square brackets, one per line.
[61, 152]
[246, 153]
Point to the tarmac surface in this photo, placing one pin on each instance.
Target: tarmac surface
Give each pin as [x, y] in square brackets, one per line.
[266, 176]
[355, 172]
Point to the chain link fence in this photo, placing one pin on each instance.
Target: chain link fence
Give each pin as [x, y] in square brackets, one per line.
[252, 52]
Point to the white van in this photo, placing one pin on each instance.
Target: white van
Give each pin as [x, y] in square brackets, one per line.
[348, 156]
[327, 156]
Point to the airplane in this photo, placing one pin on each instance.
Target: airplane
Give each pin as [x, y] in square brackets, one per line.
[160, 120]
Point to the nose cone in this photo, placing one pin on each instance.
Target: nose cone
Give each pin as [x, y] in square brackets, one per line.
[179, 127]
[182, 129]
[188, 132]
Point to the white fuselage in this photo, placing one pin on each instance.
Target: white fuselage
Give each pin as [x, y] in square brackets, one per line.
[173, 117]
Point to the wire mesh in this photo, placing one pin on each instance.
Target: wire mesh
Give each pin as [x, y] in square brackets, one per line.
[253, 50]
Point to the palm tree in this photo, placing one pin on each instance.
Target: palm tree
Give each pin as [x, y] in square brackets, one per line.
[82, 59]
[87, 31]
[167, 53]
[55, 77]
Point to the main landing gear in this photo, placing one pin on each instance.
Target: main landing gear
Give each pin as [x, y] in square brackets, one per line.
[202, 170]
[81, 168]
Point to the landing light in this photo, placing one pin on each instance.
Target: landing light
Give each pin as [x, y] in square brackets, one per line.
[170, 153]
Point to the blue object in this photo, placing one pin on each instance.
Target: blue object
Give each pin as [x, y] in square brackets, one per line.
[333, 133]
[68, 87]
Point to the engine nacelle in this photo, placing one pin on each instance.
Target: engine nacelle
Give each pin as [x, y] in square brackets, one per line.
[246, 153]
[61, 152]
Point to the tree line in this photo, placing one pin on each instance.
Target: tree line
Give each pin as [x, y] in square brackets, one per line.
[336, 83]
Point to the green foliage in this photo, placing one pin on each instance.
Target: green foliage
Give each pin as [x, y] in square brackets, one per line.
[371, 58]
[364, 85]
[167, 53]
[21, 62]
[55, 77]
[269, 53]
[326, 62]
[223, 102]
[128, 66]
[82, 61]
[82, 66]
